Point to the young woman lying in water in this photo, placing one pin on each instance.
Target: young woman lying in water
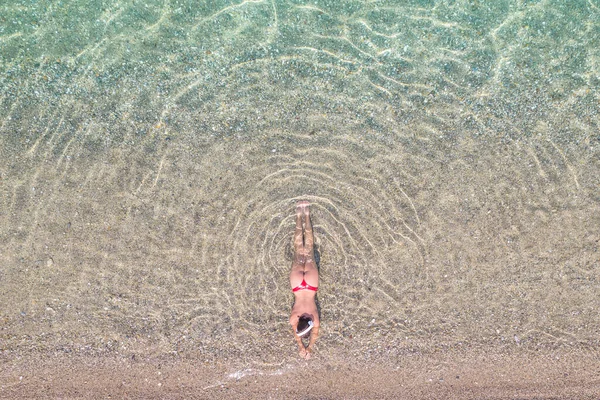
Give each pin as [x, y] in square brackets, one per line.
[304, 280]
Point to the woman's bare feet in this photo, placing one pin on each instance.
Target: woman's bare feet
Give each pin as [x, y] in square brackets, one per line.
[302, 208]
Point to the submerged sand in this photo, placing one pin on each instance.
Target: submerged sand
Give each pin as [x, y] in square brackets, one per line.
[151, 156]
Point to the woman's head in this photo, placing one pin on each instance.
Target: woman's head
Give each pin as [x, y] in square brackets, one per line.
[305, 325]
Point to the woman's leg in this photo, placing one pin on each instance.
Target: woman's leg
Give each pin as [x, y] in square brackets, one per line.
[311, 273]
[308, 235]
[299, 246]
[297, 273]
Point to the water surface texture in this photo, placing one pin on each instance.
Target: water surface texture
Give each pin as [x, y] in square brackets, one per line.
[152, 153]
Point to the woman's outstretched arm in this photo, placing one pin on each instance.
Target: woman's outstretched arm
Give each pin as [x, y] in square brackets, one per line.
[313, 338]
[301, 348]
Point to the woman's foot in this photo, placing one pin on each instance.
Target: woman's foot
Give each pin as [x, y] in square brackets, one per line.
[302, 208]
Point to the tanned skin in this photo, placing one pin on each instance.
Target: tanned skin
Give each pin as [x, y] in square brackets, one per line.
[304, 268]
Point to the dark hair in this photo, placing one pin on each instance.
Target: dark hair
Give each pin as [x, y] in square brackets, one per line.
[302, 325]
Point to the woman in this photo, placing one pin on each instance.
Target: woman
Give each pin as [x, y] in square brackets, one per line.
[304, 280]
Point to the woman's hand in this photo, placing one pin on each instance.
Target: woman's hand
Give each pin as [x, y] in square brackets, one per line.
[303, 353]
[308, 352]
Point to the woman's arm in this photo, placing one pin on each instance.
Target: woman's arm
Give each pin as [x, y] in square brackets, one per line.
[301, 350]
[294, 324]
[313, 338]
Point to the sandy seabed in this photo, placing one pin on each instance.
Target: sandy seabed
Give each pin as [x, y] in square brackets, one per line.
[151, 157]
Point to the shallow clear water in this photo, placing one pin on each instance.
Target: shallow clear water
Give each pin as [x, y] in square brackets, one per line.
[152, 153]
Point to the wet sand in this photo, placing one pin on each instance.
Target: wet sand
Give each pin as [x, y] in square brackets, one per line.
[464, 375]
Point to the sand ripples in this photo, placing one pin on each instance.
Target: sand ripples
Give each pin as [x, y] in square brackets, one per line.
[366, 228]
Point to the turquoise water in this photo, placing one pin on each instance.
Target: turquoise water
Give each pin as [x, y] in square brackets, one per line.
[152, 153]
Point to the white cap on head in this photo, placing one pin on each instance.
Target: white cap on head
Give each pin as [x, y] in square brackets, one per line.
[304, 332]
